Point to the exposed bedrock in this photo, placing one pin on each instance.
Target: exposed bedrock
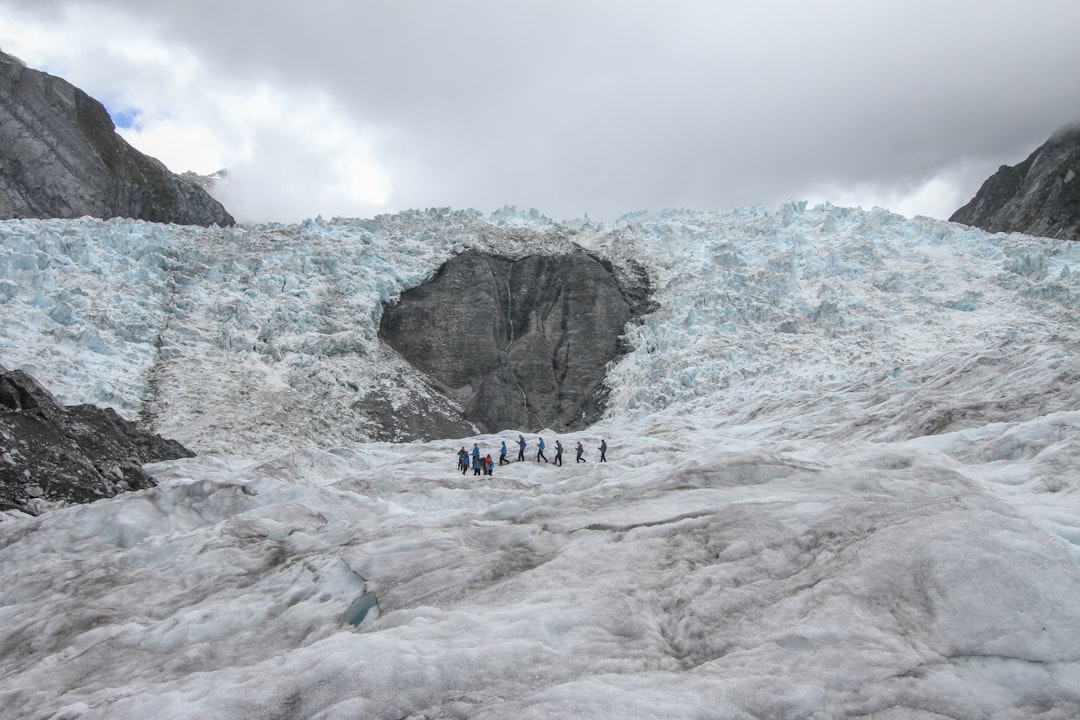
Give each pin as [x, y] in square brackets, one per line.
[519, 343]
[60, 157]
[1040, 196]
[75, 453]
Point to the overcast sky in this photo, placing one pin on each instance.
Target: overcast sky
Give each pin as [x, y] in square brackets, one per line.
[357, 107]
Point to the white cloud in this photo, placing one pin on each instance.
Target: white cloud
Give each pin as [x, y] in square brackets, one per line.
[569, 107]
[938, 195]
[292, 157]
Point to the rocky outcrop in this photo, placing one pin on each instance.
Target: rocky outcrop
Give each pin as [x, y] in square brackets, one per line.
[519, 343]
[60, 157]
[1040, 196]
[68, 454]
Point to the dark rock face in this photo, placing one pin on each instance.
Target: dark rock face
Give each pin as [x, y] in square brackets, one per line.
[518, 343]
[1040, 196]
[71, 454]
[60, 157]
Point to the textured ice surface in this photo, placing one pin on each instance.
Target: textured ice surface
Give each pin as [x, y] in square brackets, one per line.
[842, 481]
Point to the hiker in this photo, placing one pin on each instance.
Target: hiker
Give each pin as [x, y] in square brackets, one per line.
[558, 452]
[502, 455]
[462, 460]
[476, 463]
[521, 447]
[580, 452]
[540, 450]
[489, 465]
[475, 452]
[603, 450]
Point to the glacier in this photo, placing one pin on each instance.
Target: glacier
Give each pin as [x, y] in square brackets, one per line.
[842, 479]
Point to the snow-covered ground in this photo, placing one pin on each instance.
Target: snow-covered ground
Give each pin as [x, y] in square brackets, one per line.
[842, 481]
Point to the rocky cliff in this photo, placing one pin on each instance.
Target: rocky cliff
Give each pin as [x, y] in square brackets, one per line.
[60, 157]
[519, 343]
[1040, 196]
[80, 453]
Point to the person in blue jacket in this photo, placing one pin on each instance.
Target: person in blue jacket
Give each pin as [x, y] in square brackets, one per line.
[558, 452]
[540, 450]
[580, 452]
[462, 460]
[502, 454]
[521, 447]
[477, 464]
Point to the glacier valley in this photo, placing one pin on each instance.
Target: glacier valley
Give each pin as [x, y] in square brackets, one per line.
[842, 479]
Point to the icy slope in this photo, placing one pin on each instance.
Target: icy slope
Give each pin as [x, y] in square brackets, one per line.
[258, 338]
[694, 575]
[758, 304]
[842, 482]
[226, 339]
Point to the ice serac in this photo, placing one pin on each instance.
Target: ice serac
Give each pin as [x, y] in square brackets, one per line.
[71, 454]
[60, 157]
[520, 343]
[1040, 196]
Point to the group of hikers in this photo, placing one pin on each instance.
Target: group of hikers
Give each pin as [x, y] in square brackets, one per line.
[484, 465]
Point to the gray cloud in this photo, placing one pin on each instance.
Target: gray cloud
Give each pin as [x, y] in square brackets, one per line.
[610, 106]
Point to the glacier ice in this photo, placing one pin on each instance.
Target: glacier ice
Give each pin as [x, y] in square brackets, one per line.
[842, 480]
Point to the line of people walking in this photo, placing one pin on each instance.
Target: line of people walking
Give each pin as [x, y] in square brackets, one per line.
[484, 465]
[480, 465]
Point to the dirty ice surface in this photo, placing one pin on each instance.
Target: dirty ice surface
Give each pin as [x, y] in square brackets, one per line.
[842, 482]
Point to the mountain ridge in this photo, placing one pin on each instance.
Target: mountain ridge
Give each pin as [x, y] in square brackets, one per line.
[60, 157]
[1038, 196]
